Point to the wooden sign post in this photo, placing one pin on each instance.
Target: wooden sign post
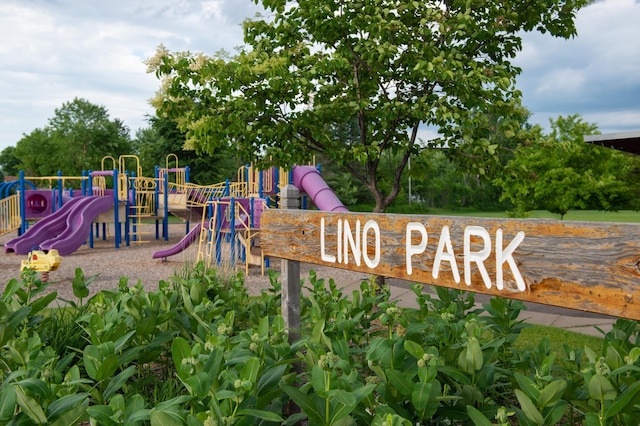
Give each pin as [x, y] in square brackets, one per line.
[589, 266]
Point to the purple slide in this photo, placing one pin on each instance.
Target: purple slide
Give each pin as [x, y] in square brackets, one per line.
[78, 225]
[308, 179]
[182, 244]
[45, 228]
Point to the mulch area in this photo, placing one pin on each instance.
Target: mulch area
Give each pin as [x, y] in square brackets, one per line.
[136, 262]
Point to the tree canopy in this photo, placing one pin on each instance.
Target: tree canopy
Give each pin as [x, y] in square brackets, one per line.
[154, 143]
[388, 66]
[560, 172]
[76, 138]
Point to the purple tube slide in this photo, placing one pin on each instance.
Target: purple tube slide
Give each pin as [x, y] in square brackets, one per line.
[308, 179]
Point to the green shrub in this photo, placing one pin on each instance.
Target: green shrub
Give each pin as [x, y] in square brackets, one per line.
[201, 351]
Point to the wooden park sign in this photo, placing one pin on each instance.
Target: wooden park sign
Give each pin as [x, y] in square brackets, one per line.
[587, 266]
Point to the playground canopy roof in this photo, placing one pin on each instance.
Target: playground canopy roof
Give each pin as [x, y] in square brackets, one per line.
[623, 141]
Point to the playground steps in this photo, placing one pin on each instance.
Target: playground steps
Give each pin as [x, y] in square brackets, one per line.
[253, 252]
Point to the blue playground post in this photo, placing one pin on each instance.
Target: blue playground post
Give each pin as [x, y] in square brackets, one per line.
[83, 183]
[23, 206]
[116, 210]
[156, 173]
[218, 233]
[165, 221]
[232, 231]
[60, 191]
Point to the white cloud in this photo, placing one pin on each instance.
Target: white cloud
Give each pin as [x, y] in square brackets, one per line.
[595, 74]
[53, 51]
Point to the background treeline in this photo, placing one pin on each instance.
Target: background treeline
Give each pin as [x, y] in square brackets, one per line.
[549, 170]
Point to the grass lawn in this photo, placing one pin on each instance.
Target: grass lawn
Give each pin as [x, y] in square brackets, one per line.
[531, 337]
[577, 215]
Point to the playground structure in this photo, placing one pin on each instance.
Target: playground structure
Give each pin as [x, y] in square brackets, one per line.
[226, 215]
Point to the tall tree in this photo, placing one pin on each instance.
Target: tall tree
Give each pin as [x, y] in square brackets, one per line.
[36, 152]
[9, 163]
[83, 134]
[76, 138]
[392, 66]
[560, 172]
[163, 137]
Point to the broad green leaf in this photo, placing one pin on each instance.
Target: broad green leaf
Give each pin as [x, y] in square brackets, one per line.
[74, 416]
[7, 332]
[270, 378]
[556, 414]
[342, 396]
[363, 392]
[529, 408]
[117, 404]
[551, 393]
[477, 417]
[198, 384]
[341, 348]
[139, 415]
[108, 367]
[621, 403]
[18, 316]
[400, 381]
[103, 414]
[420, 395]
[591, 419]
[474, 355]
[342, 404]
[528, 386]
[118, 381]
[320, 379]
[30, 407]
[36, 387]
[601, 389]
[225, 394]
[414, 349]
[455, 374]
[8, 400]
[119, 343]
[305, 402]
[135, 407]
[181, 351]
[380, 351]
[261, 414]
[263, 327]
[10, 289]
[66, 403]
[42, 302]
[79, 285]
[250, 370]
[166, 418]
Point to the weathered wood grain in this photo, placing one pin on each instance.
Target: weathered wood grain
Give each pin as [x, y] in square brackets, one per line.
[589, 266]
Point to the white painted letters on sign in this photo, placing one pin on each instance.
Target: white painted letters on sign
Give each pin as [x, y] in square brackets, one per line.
[348, 242]
[352, 242]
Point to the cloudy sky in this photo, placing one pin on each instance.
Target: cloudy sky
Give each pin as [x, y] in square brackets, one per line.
[54, 50]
